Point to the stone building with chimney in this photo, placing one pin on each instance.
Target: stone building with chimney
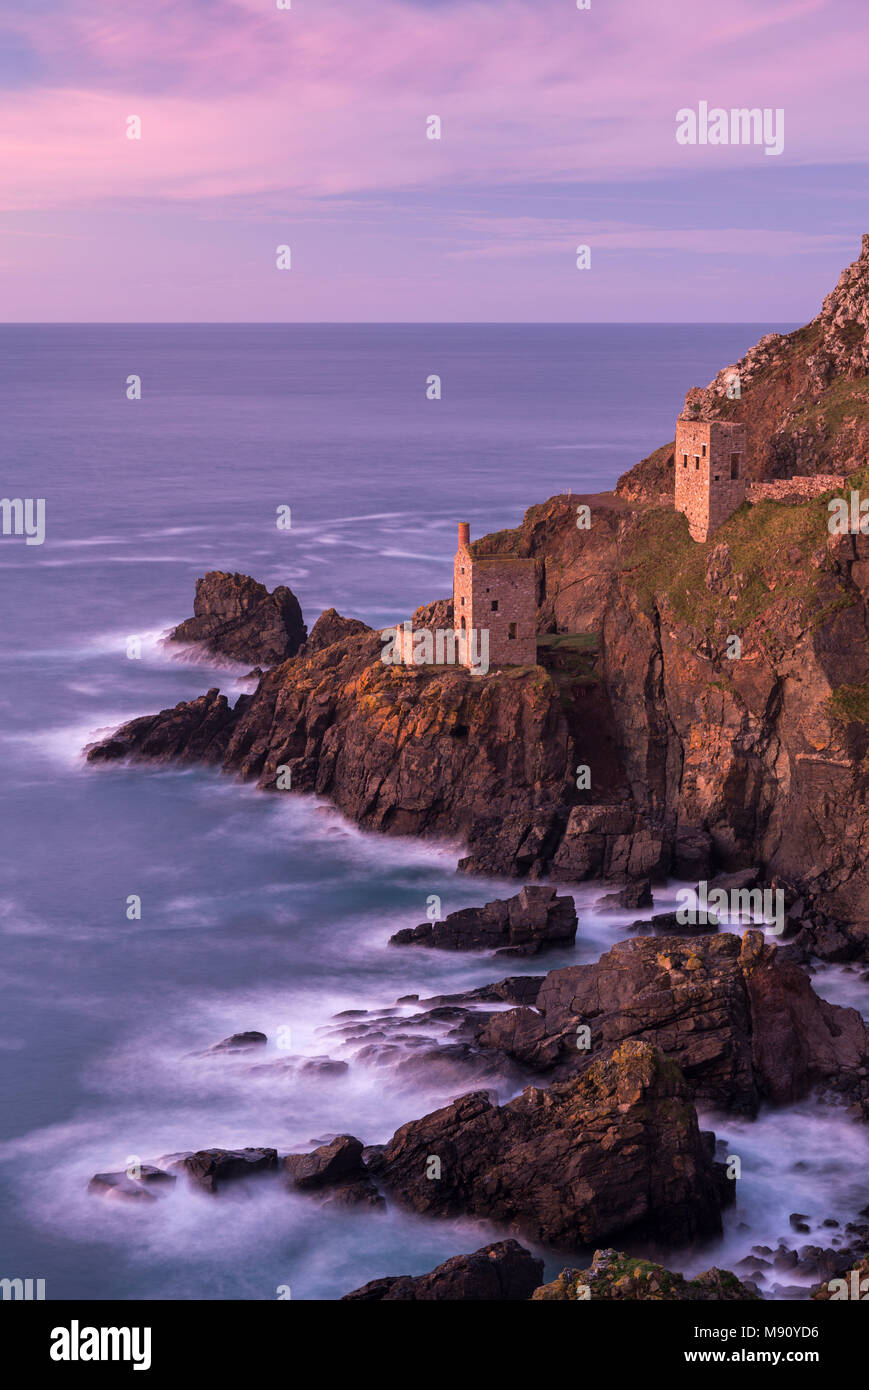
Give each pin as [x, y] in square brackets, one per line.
[497, 594]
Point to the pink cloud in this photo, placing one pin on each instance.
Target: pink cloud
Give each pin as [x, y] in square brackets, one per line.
[262, 125]
[237, 100]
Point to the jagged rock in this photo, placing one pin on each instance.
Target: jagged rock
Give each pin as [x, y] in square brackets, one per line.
[742, 1024]
[796, 393]
[193, 731]
[614, 1275]
[534, 919]
[617, 1149]
[633, 895]
[341, 1158]
[502, 1272]
[235, 616]
[151, 1183]
[331, 627]
[438, 614]
[608, 840]
[210, 1169]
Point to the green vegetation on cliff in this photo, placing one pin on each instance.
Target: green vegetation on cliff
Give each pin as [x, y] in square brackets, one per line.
[762, 556]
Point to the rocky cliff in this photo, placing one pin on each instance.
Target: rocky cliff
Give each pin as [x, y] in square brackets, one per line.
[803, 395]
[696, 707]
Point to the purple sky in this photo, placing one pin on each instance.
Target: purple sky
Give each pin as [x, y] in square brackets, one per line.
[307, 127]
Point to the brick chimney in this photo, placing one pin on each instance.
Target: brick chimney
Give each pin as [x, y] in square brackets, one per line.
[464, 534]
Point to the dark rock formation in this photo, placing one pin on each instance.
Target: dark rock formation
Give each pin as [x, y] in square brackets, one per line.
[632, 896]
[741, 1024]
[331, 627]
[336, 1169]
[210, 1169]
[502, 1272]
[521, 926]
[668, 923]
[618, 1149]
[195, 731]
[613, 1275]
[235, 616]
[341, 1158]
[151, 1182]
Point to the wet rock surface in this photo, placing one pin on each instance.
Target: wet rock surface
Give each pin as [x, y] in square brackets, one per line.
[617, 1149]
[669, 923]
[502, 1272]
[211, 1169]
[851, 1283]
[536, 918]
[235, 616]
[340, 1158]
[144, 1184]
[194, 731]
[742, 1024]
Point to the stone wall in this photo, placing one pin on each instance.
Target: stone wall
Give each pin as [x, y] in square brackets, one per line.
[794, 489]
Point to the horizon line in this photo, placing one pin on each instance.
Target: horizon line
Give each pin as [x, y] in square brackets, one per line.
[384, 323]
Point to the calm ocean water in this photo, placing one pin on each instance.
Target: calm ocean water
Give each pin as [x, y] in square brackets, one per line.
[259, 913]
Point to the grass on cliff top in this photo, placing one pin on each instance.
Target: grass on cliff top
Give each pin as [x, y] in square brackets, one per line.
[663, 561]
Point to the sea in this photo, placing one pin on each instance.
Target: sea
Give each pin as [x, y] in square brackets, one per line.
[257, 911]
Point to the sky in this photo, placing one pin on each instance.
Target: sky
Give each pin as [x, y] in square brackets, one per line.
[309, 127]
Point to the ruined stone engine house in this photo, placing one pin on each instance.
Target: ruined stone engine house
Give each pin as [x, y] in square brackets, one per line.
[496, 593]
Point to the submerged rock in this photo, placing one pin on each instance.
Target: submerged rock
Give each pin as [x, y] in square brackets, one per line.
[502, 1272]
[240, 1042]
[150, 1183]
[210, 1169]
[534, 919]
